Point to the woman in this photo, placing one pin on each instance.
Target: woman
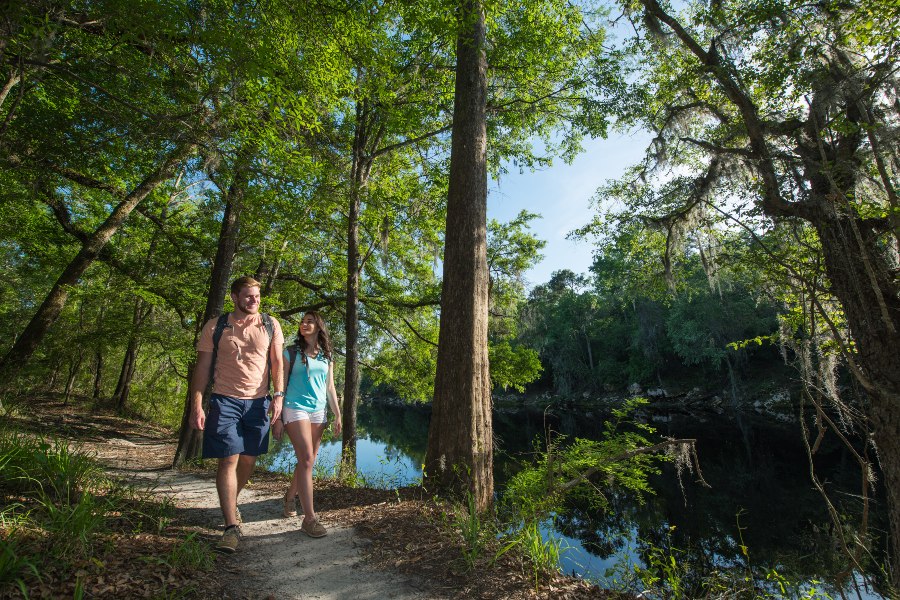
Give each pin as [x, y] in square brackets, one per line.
[309, 367]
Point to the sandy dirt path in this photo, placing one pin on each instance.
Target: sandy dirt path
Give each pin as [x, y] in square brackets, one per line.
[274, 560]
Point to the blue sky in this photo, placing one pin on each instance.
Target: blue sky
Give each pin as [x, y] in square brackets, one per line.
[562, 195]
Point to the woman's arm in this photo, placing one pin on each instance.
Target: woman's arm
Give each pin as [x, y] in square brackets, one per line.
[333, 399]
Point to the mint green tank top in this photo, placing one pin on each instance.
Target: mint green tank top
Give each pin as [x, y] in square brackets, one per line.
[308, 387]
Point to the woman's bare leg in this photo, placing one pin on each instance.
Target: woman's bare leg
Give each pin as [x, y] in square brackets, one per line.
[301, 437]
[316, 431]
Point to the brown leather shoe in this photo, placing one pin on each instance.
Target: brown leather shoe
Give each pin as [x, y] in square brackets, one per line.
[313, 528]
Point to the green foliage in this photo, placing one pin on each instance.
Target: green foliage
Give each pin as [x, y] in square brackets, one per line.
[15, 563]
[190, 553]
[468, 524]
[69, 500]
[50, 468]
[703, 327]
[513, 367]
[542, 553]
[567, 469]
[665, 571]
[627, 324]
[72, 527]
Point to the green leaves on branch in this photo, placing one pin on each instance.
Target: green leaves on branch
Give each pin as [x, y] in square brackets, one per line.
[513, 366]
[625, 457]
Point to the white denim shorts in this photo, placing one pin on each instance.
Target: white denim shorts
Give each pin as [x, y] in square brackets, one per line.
[289, 415]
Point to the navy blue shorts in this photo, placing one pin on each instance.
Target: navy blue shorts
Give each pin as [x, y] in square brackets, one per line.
[235, 426]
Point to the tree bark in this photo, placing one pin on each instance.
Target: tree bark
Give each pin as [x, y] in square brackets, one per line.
[29, 340]
[190, 441]
[126, 374]
[54, 374]
[129, 361]
[851, 262]
[70, 380]
[459, 457]
[98, 376]
[351, 327]
[359, 174]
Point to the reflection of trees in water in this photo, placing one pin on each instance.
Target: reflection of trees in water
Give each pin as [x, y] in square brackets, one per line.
[402, 429]
[783, 520]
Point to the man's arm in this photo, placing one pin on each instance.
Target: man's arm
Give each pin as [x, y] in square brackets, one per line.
[277, 366]
[199, 381]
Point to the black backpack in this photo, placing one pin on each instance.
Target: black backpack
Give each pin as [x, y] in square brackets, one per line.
[221, 324]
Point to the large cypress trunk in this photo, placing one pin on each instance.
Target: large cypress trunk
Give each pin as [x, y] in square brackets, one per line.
[460, 446]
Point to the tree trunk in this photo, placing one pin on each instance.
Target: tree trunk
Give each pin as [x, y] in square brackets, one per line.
[70, 380]
[126, 374]
[861, 280]
[460, 446]
[190, 440]
[29, 340]
[358, 177]
[138, 316]
[129, 361]
[98, 356]
[54, 374]
[351, 326]
[98, 376]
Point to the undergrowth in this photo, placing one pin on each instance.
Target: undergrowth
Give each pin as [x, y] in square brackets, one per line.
[60, 511]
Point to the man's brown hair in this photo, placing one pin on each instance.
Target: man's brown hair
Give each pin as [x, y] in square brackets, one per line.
[242, 282]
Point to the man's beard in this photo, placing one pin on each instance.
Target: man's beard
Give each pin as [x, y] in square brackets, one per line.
[248, 309]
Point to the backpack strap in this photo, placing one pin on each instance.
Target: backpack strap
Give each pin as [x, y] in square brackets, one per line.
[292, 354]
[221, 324]
[270, 329]
[269, 325]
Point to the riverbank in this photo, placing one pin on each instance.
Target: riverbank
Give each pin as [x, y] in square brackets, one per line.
[772, 398]
[382, 543]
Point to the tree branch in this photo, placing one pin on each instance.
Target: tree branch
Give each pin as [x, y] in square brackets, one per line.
[585, 475]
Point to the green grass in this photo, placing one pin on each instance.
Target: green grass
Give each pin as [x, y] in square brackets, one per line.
[469, 524]
[190, 553]
[15, 564]
[542, 555]
[72, 527]
[57, 507]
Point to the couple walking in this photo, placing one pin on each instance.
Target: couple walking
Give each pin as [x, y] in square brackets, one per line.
[241, 352]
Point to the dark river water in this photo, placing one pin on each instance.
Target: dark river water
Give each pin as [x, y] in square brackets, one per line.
[761, 511]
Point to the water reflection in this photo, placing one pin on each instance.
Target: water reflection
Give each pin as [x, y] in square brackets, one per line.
[390, 448]
[761, 498]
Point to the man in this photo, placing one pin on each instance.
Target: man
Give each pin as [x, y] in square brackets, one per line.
[236, 430]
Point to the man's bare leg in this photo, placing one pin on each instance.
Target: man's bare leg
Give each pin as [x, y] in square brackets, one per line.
[227, 486]
[245, 466]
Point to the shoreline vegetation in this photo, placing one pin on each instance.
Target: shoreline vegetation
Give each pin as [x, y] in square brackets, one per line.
[774, 400]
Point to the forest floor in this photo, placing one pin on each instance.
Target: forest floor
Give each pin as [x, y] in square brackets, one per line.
[380, 543]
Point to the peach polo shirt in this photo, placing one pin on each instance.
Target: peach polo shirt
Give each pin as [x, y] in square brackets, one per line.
[242, 366]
